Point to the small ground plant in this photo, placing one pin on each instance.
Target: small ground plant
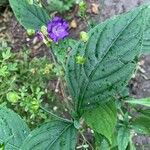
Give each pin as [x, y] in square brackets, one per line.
[58, 5]
[97, 71]
[24, 83]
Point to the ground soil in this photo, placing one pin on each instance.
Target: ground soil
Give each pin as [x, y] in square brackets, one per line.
[11, 31]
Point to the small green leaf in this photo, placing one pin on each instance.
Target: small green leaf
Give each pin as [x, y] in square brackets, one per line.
[55, 135]
[102, 119]
[29, 16]
[13, 129]
[3, 71]
[123, 138]
[7, 54]
[143, 101]
[141, 125]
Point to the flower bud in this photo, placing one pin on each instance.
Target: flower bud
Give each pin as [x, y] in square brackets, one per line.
[40, 36]
[30, 32]
[84, 36]
[80, 60]
[44, 30]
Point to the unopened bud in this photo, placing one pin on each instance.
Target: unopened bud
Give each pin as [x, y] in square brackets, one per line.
[84, 36]
[30, 32]
[80, 60]
[40, 36]
[44, 30]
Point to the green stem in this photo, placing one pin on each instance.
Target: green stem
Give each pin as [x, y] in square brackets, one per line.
[61, 83]
[85, 140]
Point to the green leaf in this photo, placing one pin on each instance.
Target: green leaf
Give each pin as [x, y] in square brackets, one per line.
[146, 38]
[55, 135]
[145, 112]
[13, 129]
[102, 119]
[123, 138]
[111, 55]
[143, 101]
[132, 146]
[141, 125]
[7, 54]
[29, 16]
[101, 142]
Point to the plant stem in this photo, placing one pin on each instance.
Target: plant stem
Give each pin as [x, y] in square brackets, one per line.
[86, 141]
[61, 84]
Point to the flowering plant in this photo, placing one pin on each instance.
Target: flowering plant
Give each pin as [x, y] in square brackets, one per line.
[97, 71]
[57, 29]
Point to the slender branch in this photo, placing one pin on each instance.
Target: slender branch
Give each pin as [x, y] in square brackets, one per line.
[86, 141]
[61, 83]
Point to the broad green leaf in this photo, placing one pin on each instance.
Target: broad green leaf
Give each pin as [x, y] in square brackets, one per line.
[132, 146]
[55, 135]
[141, 125]
[146, 38]
[114, 148]
[29, 16]
[114, 145]
[13, 129]
[111, 55]
[102, 119]
[143, 101]
[145, 112]
[123, 138]
[101, 142]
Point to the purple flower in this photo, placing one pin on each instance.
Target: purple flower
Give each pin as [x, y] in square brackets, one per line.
[40, 35]
[57, 29]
